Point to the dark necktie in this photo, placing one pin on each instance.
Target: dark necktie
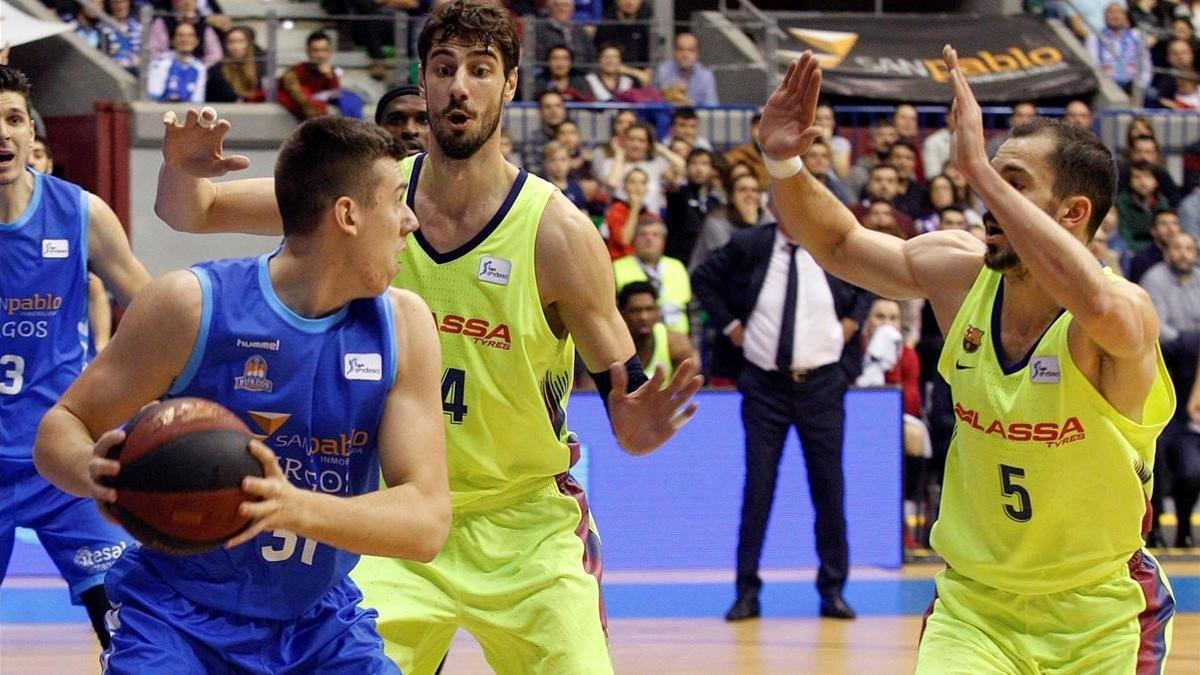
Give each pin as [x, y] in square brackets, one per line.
[787, 330]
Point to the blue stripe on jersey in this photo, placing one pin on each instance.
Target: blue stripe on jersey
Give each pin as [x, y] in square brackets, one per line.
[43, 311]
[206, 307]
[390, 364]
[313, 391]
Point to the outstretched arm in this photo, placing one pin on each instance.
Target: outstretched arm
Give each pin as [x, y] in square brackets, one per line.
[583, 296]
[810, 214]
[189, 201]
[109, 254]
[1118, 317]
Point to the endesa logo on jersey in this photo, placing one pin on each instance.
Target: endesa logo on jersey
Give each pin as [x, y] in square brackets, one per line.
[1053, 434]
[481, 331]
[254, 376]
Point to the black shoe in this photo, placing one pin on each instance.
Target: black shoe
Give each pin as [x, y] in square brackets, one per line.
[745, 607]
[835, 607]
[1184, 540]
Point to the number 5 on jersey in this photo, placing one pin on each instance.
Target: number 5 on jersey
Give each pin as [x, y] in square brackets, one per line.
[1022, 511]
[454, 394]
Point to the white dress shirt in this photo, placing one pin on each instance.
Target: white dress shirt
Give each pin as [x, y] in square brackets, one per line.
[818, 338]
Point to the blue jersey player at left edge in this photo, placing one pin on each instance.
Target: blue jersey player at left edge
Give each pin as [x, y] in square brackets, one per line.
[340, 377]
[51, 233]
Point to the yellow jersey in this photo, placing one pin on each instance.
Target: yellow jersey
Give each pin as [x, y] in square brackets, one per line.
[1046, 484]
[661, 355]
[505, 375]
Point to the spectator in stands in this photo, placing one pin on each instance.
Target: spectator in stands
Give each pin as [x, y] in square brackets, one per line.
[124, 45]
[314, 87]
[617, 124]
[210, 10]
[792, 377]
[238, 78]
[41, 159]
[886, 359]
[1187, 94]
[668, 275]
[657, 346]
[403, 113]
[1022, 112]
[819, 162]
[941, 196]
[612, 76]
[744, 211]
[556, 166]
[884, 185]
[689, 203]
[627, 23]
[373, 34]
[685, 124]
[558, 29]
[1119, 50]
[178, 76]
[1189, 213]
[1181, 29]
[1137, 205]
[908, 128]
[1078, 113]
[751, 154]
[963, 194]
[552, 111]
[626, 212]
[1150, 16]
[1162, 231]
[911, 194]
[509, 149]
[839, 146]
[208, 45]
[1181, 60]
[86, 24]
[561, 76]
[1145, 149]
[683, 80]
[951, 217]
[935, 151]
[882, 135]
[881, 216]
[567, 135]
[638, 150]
[1099, 248]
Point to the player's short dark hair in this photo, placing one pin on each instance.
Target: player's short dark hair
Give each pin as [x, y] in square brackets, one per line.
[324, 159]
[12, 79]
[316, 36]
[1082, 165]
[393, 94]
[684, 112]
[635, 288]
[483, 22]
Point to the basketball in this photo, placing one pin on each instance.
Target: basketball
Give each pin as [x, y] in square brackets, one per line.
[182, 465]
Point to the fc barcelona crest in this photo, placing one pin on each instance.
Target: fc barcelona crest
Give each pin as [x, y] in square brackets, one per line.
[972, 338]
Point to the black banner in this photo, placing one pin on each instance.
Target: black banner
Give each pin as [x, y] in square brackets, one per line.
[899, 58]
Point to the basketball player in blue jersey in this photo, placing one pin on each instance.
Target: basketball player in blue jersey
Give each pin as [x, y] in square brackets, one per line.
[51, 232]
[339, 376]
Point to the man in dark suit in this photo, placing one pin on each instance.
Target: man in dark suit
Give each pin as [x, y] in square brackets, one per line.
[792, 322]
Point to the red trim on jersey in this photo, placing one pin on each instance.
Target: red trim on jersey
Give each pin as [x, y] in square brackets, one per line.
[593, 562]
[1155, 618]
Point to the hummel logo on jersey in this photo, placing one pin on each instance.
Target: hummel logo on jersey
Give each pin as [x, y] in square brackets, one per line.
[959, 366]
[363, 367]
[1044, 370]
[55, 248]
[494, 270]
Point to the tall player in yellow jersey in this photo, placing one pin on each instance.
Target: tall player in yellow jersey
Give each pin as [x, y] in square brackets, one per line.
[1058, 385]
[514, 275]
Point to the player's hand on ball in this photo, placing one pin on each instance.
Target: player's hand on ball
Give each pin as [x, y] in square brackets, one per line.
[101, 470]
[965, 120]
[650, 416]
[786, 129]
[197, 145]
[270, 500]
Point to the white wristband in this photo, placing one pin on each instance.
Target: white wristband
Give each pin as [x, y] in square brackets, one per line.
[781, 169]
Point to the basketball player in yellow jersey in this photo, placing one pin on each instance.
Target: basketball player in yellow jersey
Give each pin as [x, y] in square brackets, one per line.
[1058, 385]
[514, 274]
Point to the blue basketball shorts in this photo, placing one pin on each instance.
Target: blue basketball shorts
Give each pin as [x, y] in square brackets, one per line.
[157, 630]
[82, 544]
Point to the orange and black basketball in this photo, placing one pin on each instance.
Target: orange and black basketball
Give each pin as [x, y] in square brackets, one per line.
[182, 465]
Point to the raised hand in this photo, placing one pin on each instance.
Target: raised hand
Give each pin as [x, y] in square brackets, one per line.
[969, 146]
[787, 128]
[196, 146]
[650, 416]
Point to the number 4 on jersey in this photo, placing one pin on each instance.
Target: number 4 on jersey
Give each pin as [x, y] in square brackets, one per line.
[454, 394]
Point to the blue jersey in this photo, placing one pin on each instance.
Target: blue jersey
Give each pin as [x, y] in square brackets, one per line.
[43, 311]
[313, 390]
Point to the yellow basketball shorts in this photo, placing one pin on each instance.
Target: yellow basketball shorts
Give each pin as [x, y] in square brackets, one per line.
[523, 579]
[1119, 625]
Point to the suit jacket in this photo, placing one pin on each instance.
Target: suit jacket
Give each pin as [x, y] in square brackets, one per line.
[728, 282]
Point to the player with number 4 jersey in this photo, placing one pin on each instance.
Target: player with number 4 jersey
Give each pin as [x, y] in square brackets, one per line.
[337, 376]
